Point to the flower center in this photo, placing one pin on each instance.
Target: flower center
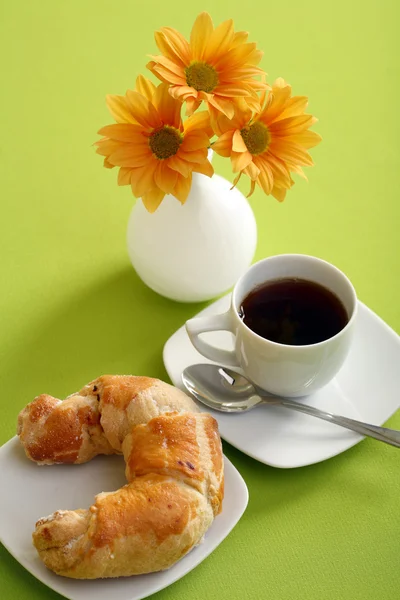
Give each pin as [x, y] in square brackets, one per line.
[165, 142]
[256, 137]
[201, 76]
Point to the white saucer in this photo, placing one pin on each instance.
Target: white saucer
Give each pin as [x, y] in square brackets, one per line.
[34, 491]
[367, 388]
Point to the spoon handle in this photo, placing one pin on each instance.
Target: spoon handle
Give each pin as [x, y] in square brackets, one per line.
[389, 436]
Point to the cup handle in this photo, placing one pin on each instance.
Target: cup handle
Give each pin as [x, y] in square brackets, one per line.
[198, 325]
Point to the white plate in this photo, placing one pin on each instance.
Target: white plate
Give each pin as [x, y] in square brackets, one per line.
[367, 388]
[34, 491]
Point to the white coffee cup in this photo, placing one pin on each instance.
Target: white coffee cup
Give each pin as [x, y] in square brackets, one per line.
[278, 368]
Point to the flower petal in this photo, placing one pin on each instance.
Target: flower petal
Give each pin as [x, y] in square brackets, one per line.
[177, 43]
[200, 35]
[299, 171]
[129, 156]
[170, 65]
[292, 125]
[240, 160]
[240, 37]
[153, 199]
[142, 179]
[278, 193]
[219, 42]
[178, 164]
[215, 116]
[265, 179]
[119, 108]
[169, 109]
[153, 67]
[242, 116]
[223, 145]
[182, 188]
[307, 139]
[192, 104]
[205, 168]
[124, 176]
[166, 75]
[280, 83]
[252, 171]
[143, 110]
[244, 73]
[252, 188]
[279, 169]
[238, 55]
[232, 90]
[195, 141]
[277, 101]
[222, 104]
[236, 180]
[166, 48]
[178, 91]
[123, 132]
[164, 177]
[253, 104]
[295, 106]
[198, 122]
[290, 152]
[107, 164]
[238, 144]
[145, 87]
[197, 156]
[107, 147]
[255, 57]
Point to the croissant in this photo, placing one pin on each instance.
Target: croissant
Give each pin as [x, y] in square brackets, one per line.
[174, 468]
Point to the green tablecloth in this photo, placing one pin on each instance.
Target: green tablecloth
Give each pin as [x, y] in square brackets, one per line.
[72, 307]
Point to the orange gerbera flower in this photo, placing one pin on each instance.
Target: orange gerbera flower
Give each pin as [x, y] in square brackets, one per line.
[155, 151]
[269, 146]
[216, 66]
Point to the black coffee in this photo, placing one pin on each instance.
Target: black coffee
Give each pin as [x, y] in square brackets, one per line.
[295, 312]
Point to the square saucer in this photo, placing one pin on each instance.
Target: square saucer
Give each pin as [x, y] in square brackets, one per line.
[366, 388]
[49, 488]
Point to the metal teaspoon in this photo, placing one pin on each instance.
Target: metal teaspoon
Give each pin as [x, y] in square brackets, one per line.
[226, 390]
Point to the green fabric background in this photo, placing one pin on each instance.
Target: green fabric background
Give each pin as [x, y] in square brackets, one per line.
[72, 308]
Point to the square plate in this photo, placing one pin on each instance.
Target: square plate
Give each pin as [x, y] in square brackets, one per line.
[366, 388]
[73, 486]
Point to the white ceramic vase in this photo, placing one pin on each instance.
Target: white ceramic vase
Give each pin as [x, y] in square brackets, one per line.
[196, 251]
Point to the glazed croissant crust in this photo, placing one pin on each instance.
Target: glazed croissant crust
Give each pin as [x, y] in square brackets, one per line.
[174, 468]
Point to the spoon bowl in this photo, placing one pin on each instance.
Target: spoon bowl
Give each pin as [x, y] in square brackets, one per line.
[220, 388]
